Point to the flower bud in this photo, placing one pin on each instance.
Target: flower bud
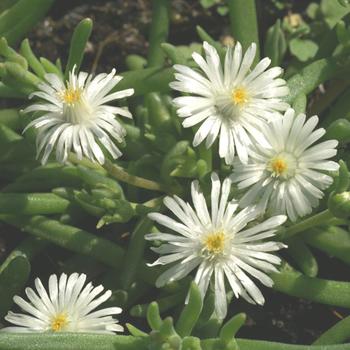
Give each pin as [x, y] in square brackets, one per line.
[339, 204]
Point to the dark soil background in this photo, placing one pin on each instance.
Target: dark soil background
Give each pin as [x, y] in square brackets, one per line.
[120, 29]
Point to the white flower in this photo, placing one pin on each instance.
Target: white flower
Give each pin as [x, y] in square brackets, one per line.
[287, 177]
[76, 113]
[217, 244]
[232, 101]
[68, 306]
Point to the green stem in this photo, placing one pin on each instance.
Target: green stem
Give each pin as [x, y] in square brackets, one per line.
[244, 24]
[19, 78]
[315, 220]
[134, 253]
[246, 344]
[75, 341]
[175, 56]
[45, 178]
[78, 241]
[84, 162]
[206, 37]
[120, 174]
[32, 60]
[78, 43]
[71, 341]
[50, 67]
[190, 313]
[28, 14]
[159, 32]
[303, 256]
[332, 240]
[11, 55]
[322, 291]
[153, 203]
[69, 237]
[32, 203]
[337, 334]
[15, 271]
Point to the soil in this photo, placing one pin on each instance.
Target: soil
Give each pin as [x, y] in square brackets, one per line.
[120, 29]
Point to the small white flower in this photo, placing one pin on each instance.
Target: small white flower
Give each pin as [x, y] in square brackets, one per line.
[287, 177]
[76, 113]
[217, 244]
[68, 306]
[232, 101]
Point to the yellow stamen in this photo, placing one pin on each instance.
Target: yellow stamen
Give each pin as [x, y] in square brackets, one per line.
[215, 242]
[240, 96]
[279, 166]
[71, 96]
[59, 322]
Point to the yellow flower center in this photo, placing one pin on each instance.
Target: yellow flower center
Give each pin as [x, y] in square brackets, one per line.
[215, 242]
[240, 96]
[59, 322]
[279, 166]
[71, 95]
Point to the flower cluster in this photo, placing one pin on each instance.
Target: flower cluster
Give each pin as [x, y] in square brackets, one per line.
[277, 158]
[279, 170]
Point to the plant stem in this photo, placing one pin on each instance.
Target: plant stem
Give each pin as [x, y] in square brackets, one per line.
[135, 251]
[69, 237]
[315, 220]
[76, 341]
[332, 240]
[318, 290]
[71, 341]
[15, 271]
[337, 334]
[159, 32]
[120, 174]
[84, 162]
[78, 43]
[244, 24]
[303, 257]
[32, 203]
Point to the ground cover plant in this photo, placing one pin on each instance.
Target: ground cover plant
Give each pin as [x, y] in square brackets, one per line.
[197, 199]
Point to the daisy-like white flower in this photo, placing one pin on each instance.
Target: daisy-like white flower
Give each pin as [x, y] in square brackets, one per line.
[68, 306]
[77, 114]
[217, 244]
[231, 101]
[287, 177]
